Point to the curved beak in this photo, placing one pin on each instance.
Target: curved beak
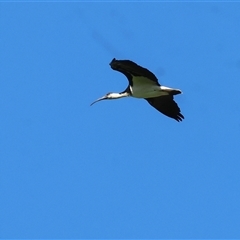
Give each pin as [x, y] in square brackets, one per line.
[99, 99]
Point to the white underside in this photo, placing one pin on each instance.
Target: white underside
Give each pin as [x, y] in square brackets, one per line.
[145, 88]
[149, 91]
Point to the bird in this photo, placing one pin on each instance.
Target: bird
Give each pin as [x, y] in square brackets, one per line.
[144, 84]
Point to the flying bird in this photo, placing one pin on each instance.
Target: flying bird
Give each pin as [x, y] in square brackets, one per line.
[144, 84]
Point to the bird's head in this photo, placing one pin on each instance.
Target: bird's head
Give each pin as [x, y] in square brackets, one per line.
[108, 96]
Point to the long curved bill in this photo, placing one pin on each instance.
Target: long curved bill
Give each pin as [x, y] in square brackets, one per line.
[99, 99]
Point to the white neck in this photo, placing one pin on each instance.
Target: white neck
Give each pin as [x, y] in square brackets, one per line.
[118, 95]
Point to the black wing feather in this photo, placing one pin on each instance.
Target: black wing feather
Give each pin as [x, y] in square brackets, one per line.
[130, 68]
[167, 106]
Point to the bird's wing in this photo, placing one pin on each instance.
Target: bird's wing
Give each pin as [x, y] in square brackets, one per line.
[131, 69]
[167, 106]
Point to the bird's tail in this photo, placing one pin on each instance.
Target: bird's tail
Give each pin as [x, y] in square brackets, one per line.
[172, 91]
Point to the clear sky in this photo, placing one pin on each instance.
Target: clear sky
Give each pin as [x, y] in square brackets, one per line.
[118, 169]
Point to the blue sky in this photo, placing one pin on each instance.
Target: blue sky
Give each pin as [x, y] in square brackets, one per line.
[118, 169]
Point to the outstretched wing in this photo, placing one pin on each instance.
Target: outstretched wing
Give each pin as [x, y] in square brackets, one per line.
[131, 69]
[167, 106]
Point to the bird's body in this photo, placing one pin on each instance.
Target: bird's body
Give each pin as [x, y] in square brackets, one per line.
[146, 89]
[144, 84]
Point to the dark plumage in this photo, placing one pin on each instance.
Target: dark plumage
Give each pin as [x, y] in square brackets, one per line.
[144, 84]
